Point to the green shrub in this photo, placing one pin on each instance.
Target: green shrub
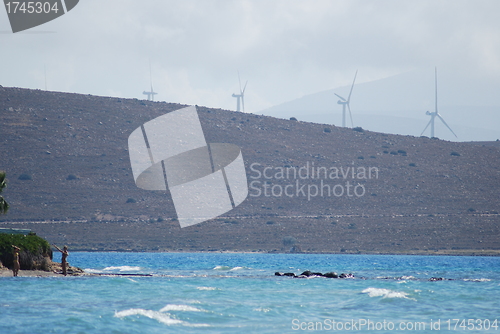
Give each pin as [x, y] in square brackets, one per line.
[455, 154]
[289, 241]
[33, 250]
[358, 129]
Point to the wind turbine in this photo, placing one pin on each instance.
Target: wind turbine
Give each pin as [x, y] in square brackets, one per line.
[151, 94]
[45, 74]
[345, 102]
[435, 113]
[240, 95]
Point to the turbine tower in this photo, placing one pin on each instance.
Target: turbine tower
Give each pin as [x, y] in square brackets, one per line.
[241, 95]
[345, 102]
[151, 94]
[435, 113]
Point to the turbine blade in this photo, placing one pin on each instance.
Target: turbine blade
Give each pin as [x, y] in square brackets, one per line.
[150, 76]
[427, 126]
[340, 97]
[436, 85]
[239, 81]
[243, 91]
[349, 97]
[442, 120]
[350, 114]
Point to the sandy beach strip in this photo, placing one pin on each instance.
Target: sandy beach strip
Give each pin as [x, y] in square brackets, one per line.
[33, 273]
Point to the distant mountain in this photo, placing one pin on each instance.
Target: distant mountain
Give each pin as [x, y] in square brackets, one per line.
[398, 104]
[70, 181]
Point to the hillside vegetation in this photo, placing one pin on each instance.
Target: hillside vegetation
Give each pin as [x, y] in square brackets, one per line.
[70, 180]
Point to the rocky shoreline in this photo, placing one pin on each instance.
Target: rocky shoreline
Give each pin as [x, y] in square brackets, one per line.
[55, 270]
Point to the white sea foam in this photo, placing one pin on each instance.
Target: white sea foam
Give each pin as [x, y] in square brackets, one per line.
[162, 315]
[237, 268]
[173, 307]
[228, 268]
[164, 318]
[123, 268]
[261, 309]
[221, 268]
[477, 279]
[206, 288]
[385, 293]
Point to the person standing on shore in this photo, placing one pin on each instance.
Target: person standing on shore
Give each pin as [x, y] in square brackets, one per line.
[65, 254]
[17, 265]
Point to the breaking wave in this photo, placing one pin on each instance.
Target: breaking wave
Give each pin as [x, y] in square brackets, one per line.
[206, 288]
[229, 268]
[173, 307]
[164, 318]
[385, 293]
[477, 279]
[162, 315]
[123, 268]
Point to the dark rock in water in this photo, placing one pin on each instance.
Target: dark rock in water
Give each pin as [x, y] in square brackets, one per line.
[434, 279]
[331, 275]
[346, 275]
[309, 273]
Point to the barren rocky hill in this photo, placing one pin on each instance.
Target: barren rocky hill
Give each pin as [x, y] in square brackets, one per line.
[70, 180]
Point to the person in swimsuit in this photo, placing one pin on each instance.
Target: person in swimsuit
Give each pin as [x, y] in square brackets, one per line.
[17, 265]
[64, 263]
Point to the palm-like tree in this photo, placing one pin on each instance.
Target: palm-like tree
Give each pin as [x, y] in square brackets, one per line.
[4, 206]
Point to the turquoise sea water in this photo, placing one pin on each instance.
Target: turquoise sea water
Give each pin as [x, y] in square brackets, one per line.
[238, 293]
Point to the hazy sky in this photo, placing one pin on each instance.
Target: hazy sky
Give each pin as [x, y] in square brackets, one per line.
[285, 49]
